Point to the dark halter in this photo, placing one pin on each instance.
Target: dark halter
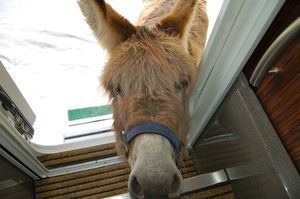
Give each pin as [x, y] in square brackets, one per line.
[152, 128]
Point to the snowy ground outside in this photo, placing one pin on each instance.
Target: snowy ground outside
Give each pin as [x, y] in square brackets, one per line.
[53, 57]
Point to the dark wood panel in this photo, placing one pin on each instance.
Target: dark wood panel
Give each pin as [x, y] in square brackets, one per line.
[280, 96]
[287, 14]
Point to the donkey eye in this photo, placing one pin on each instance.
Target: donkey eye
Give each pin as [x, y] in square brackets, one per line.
[117, 91]
[183, 84]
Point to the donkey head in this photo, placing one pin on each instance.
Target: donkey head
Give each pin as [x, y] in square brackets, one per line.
[148, 77]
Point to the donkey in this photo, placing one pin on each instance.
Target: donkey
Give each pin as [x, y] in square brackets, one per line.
[149, 76]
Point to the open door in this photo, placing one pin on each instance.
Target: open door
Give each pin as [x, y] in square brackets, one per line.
[274, 72]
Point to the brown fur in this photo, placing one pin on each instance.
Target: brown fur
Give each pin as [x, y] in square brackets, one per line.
[150, 94]
[108, 26]
[152, 67]
[155, 10]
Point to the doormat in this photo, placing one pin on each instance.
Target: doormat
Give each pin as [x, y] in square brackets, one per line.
[110, 181]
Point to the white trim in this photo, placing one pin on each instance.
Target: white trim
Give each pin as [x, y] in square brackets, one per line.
[91, 136]
[27, 153]
[239, 27]
[15, 94]
[44, 149]
[13, 141]
[84, 166]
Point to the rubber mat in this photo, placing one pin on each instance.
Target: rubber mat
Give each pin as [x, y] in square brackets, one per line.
[108, 181]
[66, 158]
[104, 181]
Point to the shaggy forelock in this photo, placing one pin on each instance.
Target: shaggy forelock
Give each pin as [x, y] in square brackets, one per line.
[147, 62]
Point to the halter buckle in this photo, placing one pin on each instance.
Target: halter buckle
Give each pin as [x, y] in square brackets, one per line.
[124, 143]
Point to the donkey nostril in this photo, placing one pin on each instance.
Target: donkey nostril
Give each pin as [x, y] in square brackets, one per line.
[134, 187]
[176, 184]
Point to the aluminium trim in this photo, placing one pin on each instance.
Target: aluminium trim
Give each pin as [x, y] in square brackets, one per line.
[85, 166]
[280, 44]
[107, 138]
[8, 183]
[88, 132]
[12, 141]
[244, 171]
[204, 180]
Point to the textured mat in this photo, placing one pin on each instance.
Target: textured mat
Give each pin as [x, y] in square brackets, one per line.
[108, 181]
[105, 181]
[56, 160]
[220, 192]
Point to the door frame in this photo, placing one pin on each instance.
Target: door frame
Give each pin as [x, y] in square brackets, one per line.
[239, 27]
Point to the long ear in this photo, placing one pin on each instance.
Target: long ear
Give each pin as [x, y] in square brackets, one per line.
[108, 26]
[179, 20]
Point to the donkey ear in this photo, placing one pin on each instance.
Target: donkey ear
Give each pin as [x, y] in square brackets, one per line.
[108, 26]
[179, 20]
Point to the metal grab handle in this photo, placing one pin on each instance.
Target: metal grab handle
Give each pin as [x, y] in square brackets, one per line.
[277, 47]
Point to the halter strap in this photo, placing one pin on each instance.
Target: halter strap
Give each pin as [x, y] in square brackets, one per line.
[152, 128]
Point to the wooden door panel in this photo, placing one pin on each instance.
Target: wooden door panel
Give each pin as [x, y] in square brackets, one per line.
[280, 96]
[279, 93]
[287, 14]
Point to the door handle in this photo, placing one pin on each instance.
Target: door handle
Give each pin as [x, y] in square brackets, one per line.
[276, 48]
